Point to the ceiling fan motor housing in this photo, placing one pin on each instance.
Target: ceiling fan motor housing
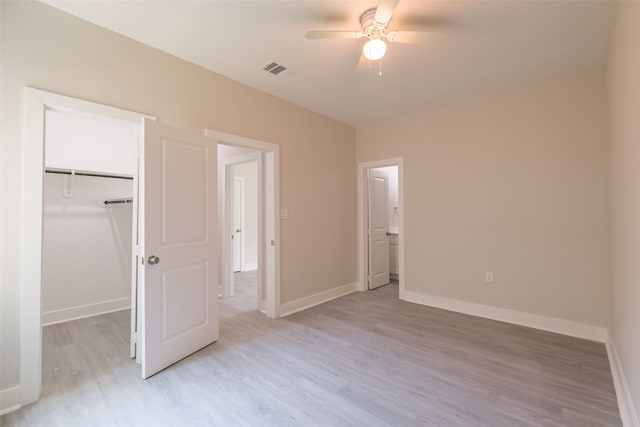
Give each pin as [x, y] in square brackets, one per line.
[371, 28]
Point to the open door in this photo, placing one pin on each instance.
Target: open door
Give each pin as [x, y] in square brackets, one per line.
[378, 239]
[179, 271]
[237, 225]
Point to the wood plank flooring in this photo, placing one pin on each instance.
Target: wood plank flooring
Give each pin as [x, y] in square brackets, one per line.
[366, 359]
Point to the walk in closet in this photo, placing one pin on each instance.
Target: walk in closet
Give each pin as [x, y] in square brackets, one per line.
[88, 217]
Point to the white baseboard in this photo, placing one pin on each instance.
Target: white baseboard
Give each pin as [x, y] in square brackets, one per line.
[316, 299]
[82, 311]
[628, 411]
[9, 399]
[250, 266]
[551, 324]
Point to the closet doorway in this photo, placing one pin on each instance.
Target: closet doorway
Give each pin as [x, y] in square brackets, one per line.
[174, 192]
[89, 221]
[89, 234]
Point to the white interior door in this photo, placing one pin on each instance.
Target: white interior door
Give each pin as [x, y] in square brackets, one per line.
[237, 225]
[179, 313]
[378, 239]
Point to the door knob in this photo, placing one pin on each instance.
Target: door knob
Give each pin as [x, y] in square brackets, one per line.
[153, 260]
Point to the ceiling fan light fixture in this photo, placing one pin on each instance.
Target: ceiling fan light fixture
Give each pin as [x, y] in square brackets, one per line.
[374, 49]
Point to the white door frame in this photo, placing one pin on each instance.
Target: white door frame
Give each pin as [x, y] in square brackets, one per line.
[228, 281]
[37, 102]
[269, 239]
[362, 242]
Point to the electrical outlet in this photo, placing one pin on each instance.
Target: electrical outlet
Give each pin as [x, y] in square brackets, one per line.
[488, 277]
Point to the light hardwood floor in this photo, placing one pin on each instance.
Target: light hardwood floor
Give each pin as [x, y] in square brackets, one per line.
[366, 359]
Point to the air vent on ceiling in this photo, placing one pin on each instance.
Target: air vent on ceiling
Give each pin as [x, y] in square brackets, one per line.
[276, 69]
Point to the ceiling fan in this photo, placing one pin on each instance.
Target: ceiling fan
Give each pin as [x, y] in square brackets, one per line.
[374, 27]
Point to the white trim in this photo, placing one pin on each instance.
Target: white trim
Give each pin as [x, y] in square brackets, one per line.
[81, 311]
[317, 299]
[241, 141]
[361, 246]
[551, 324]
[628, 412]
[135, 251]
[37, 102]
[270, 254]
[9, 399]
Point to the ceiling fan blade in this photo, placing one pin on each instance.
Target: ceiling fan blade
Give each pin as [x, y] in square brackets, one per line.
[384, 11]
[410, 36]
[363, 65]
[329, 17]
[314, 35]
[423, 23]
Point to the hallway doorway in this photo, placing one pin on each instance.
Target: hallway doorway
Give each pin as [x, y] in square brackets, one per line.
[234, 154]
[381, 224]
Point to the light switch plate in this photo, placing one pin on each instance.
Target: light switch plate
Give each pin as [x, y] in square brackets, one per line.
[284, 213]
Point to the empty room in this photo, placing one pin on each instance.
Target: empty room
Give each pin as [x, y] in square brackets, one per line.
[320, 213]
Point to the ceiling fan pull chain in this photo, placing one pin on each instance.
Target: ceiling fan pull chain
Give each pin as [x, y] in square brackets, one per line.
[380, 73]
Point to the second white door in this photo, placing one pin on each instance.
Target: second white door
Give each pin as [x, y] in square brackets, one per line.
[237, 225]
[378, 197]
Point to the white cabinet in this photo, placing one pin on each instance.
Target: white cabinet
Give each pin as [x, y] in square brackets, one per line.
[393, 256]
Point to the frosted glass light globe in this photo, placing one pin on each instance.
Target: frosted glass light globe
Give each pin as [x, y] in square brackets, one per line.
[374, 49]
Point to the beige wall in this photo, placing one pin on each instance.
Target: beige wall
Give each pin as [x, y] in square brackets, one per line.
[624, 101]
[49, 50]
[514, 183]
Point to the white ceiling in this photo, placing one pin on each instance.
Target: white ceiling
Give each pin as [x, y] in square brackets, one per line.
[480, 45]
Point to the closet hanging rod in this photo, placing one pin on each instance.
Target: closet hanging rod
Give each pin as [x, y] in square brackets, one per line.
[116, 201]
[98, 175]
